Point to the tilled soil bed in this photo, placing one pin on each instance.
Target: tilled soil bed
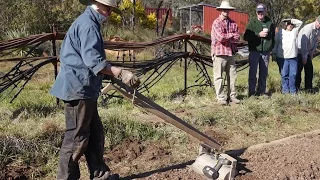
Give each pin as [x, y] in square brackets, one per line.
[296, 158]
[292, 158]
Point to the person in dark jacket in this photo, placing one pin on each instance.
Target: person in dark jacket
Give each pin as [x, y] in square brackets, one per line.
[260, 34]
[82, 67]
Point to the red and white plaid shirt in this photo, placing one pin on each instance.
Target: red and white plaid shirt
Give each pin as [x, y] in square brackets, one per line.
[224, 35]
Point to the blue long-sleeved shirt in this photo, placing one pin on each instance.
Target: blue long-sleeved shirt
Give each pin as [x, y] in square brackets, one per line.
[82, 57]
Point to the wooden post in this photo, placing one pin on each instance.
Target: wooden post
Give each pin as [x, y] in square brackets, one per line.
[54, 49]
[185, 67]
[180, 11]
[157, 14]
[190, 19]
[133, 14]
[165, 21]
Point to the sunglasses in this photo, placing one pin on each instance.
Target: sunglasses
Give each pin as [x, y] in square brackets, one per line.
[259, 12]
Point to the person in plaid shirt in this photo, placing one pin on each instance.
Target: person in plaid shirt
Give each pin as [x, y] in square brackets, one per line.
[224, 35]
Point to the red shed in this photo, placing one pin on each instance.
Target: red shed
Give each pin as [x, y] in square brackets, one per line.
[202, 16]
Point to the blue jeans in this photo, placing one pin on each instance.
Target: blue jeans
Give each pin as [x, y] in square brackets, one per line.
[288, 75]
[256, 59]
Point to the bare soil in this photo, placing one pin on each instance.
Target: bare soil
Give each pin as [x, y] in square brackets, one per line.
[292, 158]
[295, 158]
[14, 173]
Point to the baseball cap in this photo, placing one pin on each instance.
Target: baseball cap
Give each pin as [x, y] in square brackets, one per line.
[261, 7]
[286, 21]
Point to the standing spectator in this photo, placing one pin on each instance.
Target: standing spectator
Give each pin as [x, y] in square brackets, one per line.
[286, 52]
[308, 39]
[260, 34]
[224, 35]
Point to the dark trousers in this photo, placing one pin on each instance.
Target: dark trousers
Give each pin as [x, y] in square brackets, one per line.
[258, 60]
[308, 73]
[280, 62]
[84, 135]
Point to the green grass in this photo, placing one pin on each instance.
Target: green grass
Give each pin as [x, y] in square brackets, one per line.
[32, 126]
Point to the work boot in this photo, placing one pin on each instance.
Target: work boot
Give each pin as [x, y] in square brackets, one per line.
[114, 177]
[101, 175]
[99, 171]
[265, 96]
[222, 102]
[235, 100]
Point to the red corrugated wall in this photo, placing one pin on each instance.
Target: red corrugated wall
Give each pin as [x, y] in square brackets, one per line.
[162, 14]
[210, 14]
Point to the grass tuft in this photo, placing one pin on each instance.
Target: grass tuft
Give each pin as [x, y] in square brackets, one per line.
[119, 127]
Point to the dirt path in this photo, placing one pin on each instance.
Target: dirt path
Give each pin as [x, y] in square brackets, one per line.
[292, 158]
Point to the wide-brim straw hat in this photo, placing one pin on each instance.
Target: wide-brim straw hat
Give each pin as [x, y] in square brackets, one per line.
[225, 5]
[111, 3]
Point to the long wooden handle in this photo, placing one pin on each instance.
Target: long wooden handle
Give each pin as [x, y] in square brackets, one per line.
[150, 106]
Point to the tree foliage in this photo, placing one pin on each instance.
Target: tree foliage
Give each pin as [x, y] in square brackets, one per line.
[305, 10]
[37, 16]
[126, 6]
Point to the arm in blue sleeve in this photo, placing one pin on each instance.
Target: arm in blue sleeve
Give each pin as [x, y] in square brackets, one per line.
[92, 50]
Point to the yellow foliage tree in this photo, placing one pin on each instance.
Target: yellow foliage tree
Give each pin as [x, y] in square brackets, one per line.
[150, 21]
[126, 6]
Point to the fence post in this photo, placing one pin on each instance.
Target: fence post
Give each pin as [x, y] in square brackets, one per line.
[133, 15]
[165, 21]
[54, 49]
[157, 14]
[185, 67]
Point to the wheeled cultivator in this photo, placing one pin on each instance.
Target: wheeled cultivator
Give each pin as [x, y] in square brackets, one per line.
[209, 163]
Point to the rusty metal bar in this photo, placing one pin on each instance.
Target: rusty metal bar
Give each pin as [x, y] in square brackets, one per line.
[111, 45]
[165, 22]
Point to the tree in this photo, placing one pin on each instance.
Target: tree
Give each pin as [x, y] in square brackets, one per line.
[37, 16]
[305, 10]
[126, 6]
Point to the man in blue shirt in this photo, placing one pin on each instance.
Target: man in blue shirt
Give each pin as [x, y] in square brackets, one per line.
[82, 67]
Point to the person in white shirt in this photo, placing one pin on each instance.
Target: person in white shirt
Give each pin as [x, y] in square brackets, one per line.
[308, 39]
[286, 52]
